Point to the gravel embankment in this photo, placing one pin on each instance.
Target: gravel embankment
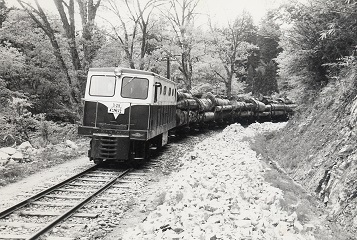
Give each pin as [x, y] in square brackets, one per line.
[220, 193]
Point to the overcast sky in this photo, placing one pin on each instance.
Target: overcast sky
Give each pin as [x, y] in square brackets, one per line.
[227, 10]
[220, 11]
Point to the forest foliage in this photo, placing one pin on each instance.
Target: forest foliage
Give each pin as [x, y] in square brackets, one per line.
[319, 41]
[45, 54]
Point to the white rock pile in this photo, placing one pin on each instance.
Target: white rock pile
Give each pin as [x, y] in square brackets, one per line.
[20, 153]
[220, 193]
[25, 151]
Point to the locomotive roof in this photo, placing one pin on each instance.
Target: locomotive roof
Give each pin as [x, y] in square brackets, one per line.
[127, 70]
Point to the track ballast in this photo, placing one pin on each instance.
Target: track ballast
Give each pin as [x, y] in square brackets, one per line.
[38, 214]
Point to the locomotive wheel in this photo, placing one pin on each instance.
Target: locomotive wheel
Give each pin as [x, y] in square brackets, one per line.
[157, 142]
[139, 151]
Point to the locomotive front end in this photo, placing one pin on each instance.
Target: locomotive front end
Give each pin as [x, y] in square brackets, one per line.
[126, 113]
[116, 112]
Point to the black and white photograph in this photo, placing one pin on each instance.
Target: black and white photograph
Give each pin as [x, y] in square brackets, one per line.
[178, 119]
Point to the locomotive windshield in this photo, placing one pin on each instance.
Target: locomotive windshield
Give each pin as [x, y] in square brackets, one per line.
[134, 87]
[102, 86]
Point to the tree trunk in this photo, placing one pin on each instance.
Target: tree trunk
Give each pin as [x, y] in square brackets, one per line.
[88, 11]
[70, 30]
[69, 27]
[143, 44]
[46, 27]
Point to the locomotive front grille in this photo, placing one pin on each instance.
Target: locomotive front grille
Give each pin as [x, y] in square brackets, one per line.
[108, 147]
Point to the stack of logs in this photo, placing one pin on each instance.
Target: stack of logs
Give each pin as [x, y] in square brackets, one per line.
[211, 109]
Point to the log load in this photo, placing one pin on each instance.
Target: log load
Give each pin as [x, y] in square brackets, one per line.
[181, 117]
[209, 108]
[215, 100]
[182, 95]
[205, 104]
[187, 104]
[208, 117]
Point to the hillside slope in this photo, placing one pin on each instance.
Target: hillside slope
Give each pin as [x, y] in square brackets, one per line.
[317, 149]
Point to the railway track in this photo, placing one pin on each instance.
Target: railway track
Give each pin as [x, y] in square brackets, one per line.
[35, 217]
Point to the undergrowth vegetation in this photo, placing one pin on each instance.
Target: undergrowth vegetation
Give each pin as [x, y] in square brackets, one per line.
[47, 157]
[297, 198]
[317, 149]
[18, 125]
[48, 139]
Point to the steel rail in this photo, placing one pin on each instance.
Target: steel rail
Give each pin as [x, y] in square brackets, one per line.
[19, 205]
[75, 208]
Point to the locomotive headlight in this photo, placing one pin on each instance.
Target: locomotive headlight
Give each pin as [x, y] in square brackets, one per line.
[117, 72]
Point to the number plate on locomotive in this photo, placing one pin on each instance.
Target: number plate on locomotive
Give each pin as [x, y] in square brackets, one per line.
[116, 108]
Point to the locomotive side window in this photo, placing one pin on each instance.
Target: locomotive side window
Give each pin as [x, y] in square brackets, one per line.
[165, 90]
[102, 86]
[169, 92]
[134, 87]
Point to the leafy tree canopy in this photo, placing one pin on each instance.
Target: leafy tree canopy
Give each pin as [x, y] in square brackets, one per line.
[317, 35]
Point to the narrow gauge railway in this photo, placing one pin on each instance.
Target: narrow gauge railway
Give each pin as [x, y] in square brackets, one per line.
[34, 217]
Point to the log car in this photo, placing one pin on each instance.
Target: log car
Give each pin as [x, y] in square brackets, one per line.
[127, 112]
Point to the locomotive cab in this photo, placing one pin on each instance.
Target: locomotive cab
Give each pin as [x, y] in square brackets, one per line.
[126, 112]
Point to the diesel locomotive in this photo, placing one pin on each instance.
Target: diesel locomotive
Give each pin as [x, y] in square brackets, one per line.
[129, 112]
